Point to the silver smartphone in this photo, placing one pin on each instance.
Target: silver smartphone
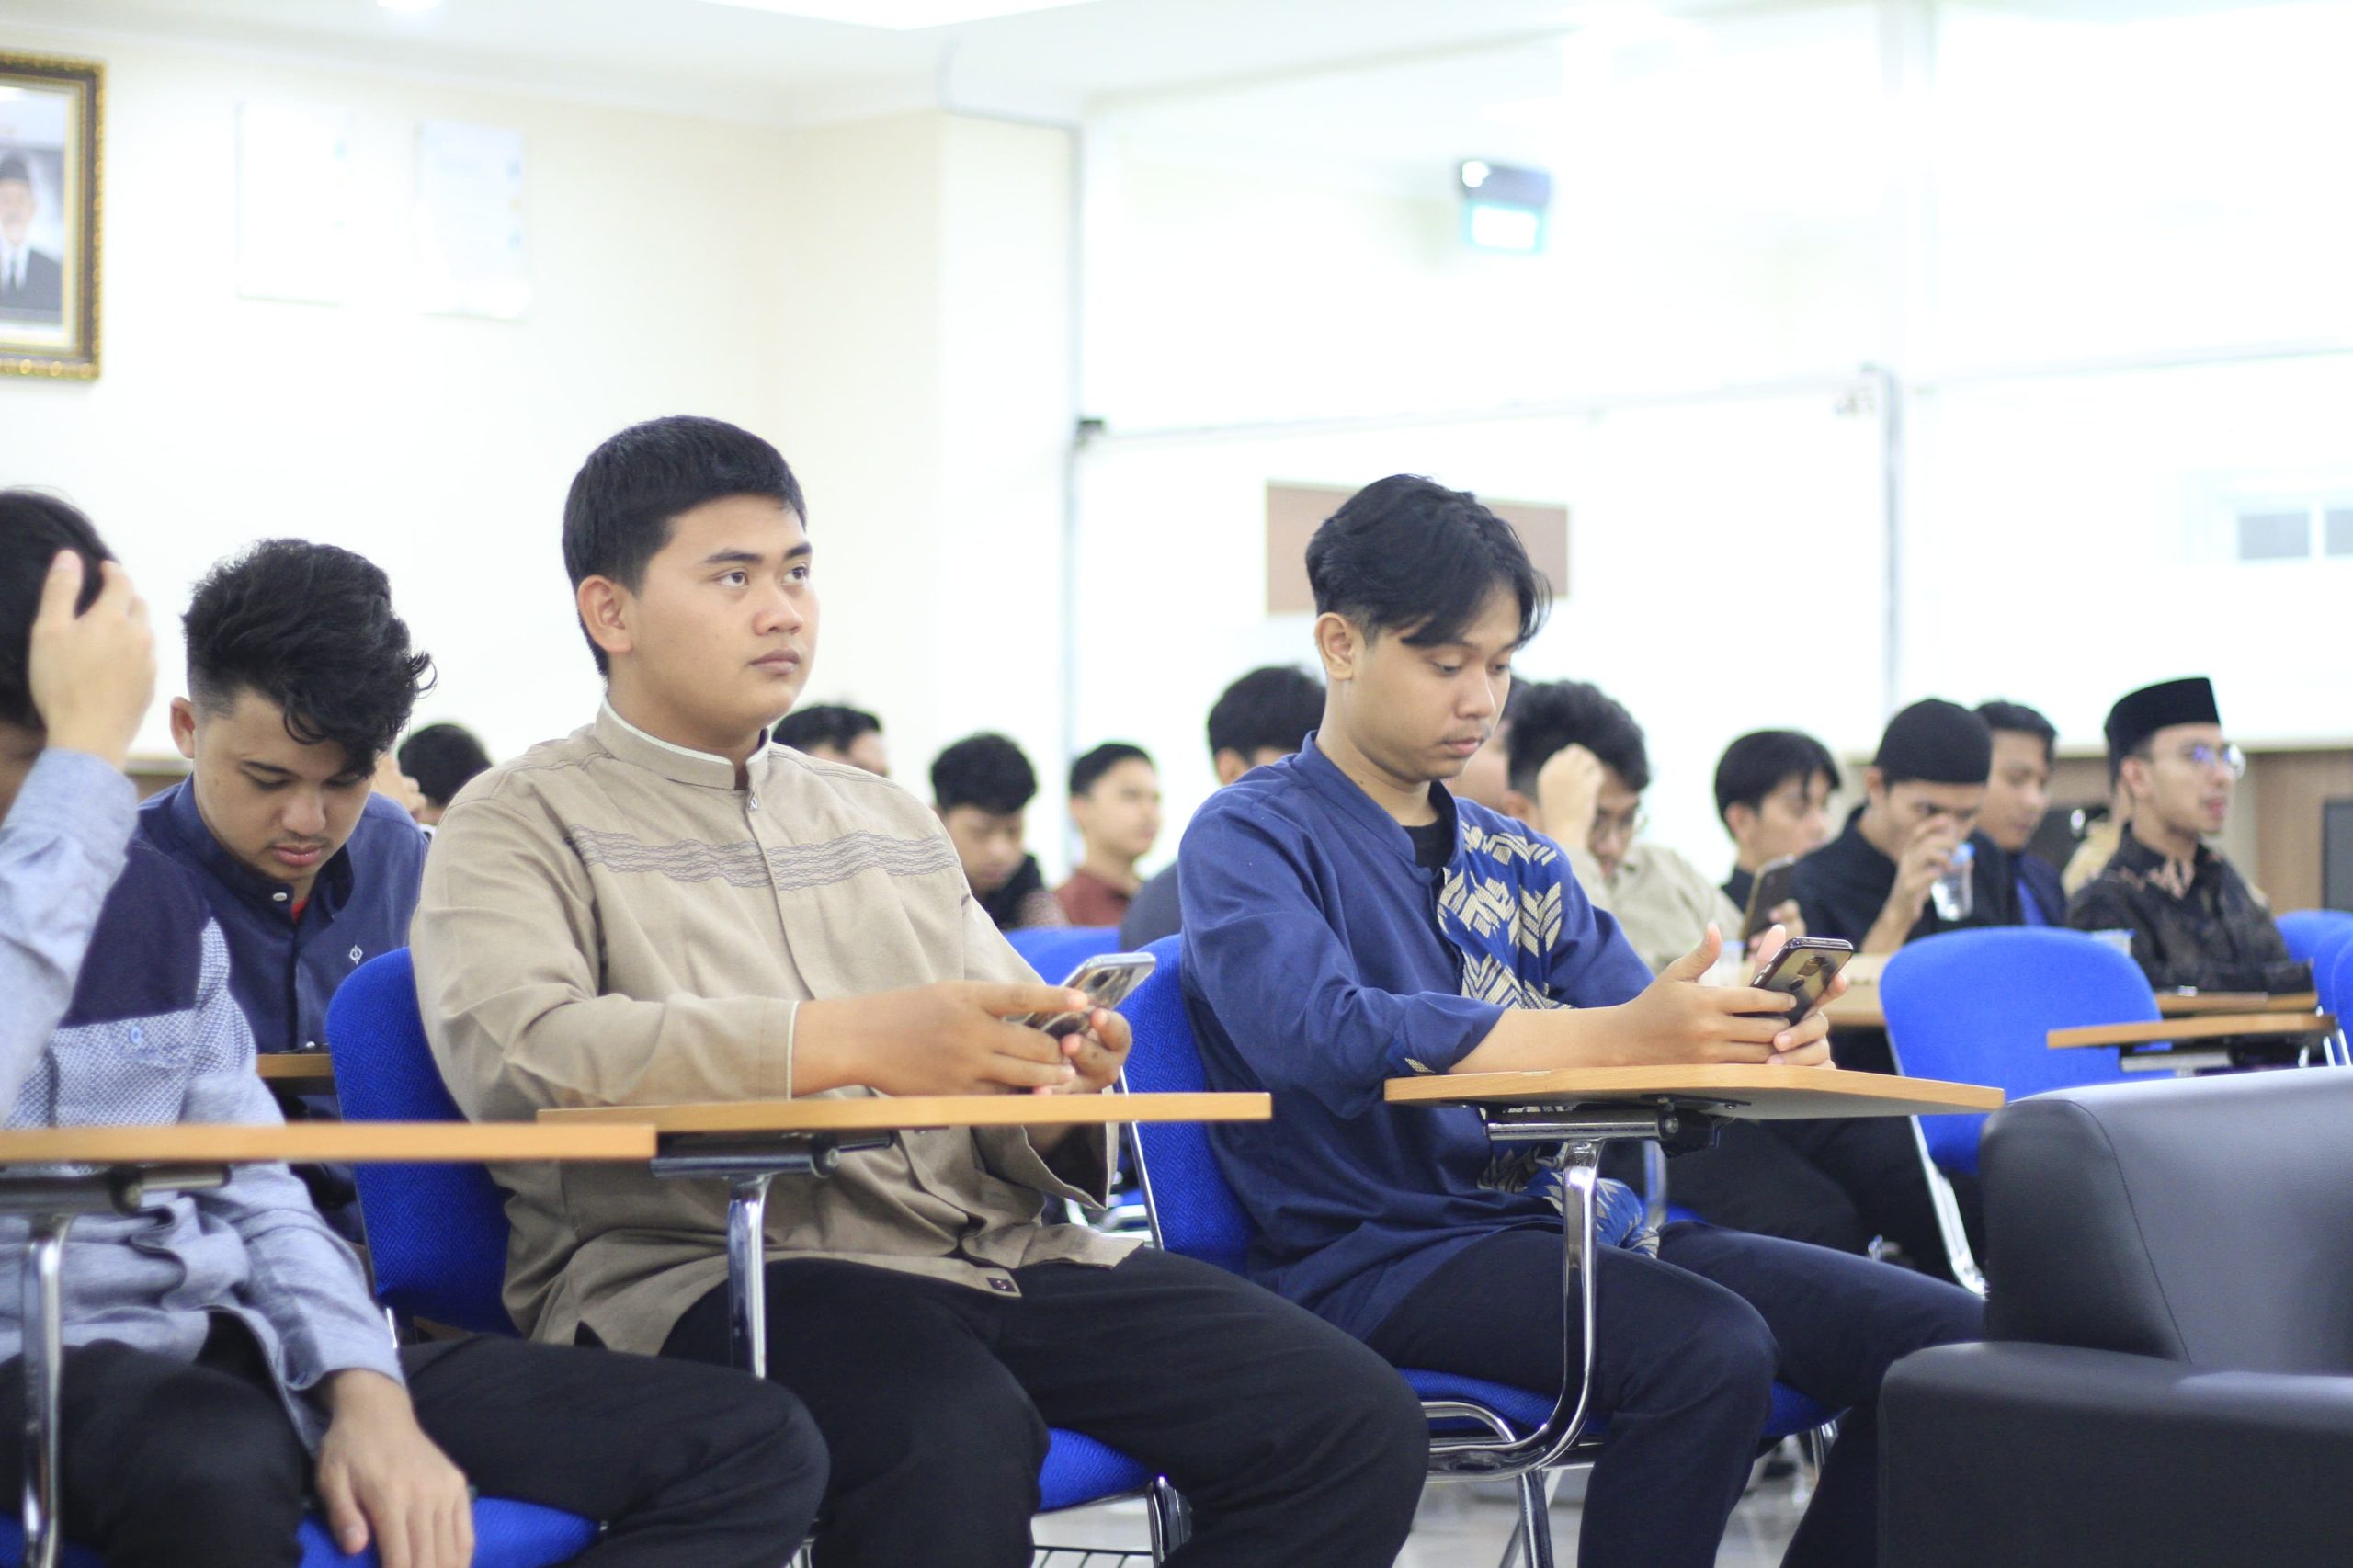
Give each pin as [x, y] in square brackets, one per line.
[1107, 981]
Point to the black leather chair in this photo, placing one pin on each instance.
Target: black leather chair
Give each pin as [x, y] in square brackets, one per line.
[2168, 1377]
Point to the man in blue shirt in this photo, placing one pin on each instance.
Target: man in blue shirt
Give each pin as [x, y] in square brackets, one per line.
[300, 677]
[1348, 920]
[2017, 797]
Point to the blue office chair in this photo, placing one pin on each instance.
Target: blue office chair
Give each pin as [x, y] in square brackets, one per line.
[2334, 983]
[438, 1233]
[506, 1535]
[1978, 1007]
[1055, 950]
[1194, 1212]
[2317, 937]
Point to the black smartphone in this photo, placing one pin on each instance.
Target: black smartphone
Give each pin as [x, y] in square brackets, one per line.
[1107, 981]
[1803, 969]
[1776, 883]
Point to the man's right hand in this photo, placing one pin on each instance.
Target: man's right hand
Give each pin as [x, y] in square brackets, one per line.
[1676, 1019]
[950, 1038]
[1927, 857]
[91, 676]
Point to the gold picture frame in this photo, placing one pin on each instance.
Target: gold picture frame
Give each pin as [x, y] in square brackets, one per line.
[52, 188]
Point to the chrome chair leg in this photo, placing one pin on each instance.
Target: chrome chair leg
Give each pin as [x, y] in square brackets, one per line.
[1536, 1518]
[1959, 1256]
[1170, 1516]
[747, 1285]
[44, 1356]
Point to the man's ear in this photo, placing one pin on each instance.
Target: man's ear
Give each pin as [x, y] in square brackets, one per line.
[605, 609]
[1519, 807]
[1875, 786]
[1740, 821]
[2133, 774]
[184, 727]
[1340, 644]
[1229, 764]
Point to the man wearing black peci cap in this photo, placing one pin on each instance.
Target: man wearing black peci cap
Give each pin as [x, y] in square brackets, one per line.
[1871, 884]
[2194, 920]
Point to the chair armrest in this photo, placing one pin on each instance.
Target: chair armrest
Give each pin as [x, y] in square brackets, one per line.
[2036, 1453]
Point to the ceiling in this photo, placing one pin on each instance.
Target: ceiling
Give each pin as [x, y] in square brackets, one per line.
[735, 62]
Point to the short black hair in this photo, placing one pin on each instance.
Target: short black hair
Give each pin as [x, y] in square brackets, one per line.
[442, 758]
[310, 627]
[2019, 720]
[1271, 708]
[623, 499]
[984, 770]
[1554, 715]
[1405, 554]
[825, 724]
[1762, 761]
[34, 529]
[1088, 770]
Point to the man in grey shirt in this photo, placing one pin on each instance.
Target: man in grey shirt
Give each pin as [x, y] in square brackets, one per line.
[223, 1359]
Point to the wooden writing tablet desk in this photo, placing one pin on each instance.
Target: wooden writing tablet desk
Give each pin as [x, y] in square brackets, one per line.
[749, 1142]
[313, 1071]
[51, 1174]
[1730, 1090]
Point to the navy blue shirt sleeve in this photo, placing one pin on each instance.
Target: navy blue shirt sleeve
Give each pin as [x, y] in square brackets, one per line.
[1260, 948]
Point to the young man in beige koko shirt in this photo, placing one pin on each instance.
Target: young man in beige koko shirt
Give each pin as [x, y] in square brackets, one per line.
[663, 906]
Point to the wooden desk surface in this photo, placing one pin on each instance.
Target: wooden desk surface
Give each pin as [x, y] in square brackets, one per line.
[883, 1114]
[1861, 1009]
[2209, 1027]
[1749, 1093]
[296, 1067]
[342, 1142]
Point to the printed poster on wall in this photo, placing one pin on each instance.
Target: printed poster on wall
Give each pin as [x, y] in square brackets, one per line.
[471, 259]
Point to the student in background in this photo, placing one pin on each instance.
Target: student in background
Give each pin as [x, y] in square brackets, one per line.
[2195, 921]
[223, 1364]
[442, 758]
[982, 788]
[574, 948]
[1348, 920]
[1257, 721]
[2017, 797]
[1114, 804]
[837, 734]
[1872, 884]
[1773, 789]
[1578, 769]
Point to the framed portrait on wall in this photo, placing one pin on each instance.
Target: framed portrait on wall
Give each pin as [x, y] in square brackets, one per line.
[50, 197]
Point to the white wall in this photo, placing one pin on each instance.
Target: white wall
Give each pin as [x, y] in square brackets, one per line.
[927, 406]
[439, 447]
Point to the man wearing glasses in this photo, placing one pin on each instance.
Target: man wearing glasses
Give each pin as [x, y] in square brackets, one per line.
[1578, 766]
[2195, 921]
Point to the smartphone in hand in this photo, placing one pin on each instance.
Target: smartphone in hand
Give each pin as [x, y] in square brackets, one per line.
[1803, 970]
[1776, 883]
[1107, 981]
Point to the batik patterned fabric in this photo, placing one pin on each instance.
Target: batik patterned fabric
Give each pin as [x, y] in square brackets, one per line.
[1499, 906]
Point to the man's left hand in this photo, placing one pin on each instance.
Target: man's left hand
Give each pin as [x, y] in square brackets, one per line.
[1095, 1053]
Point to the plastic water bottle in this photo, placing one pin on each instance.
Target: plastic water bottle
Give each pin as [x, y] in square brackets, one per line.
[1955, 894]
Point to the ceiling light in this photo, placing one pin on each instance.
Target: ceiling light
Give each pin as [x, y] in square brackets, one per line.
[900, 16]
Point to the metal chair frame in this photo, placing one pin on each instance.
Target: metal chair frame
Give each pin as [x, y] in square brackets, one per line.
[1570, 1140]
[51, 1203]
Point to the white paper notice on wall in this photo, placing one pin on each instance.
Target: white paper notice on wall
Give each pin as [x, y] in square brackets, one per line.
[293, 202]
[470, 259]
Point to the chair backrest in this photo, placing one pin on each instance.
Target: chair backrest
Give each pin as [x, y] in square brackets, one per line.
[1194, 1211]
[2208, 1220]
[2336, 985]
[2317, 936]
[1055, 950]
[437, 1234]
[1978, 1006]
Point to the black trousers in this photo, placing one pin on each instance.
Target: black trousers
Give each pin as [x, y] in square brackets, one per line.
[1834, 1183]
[1686, 1352]
[1294, 1443]
[168, 1464]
